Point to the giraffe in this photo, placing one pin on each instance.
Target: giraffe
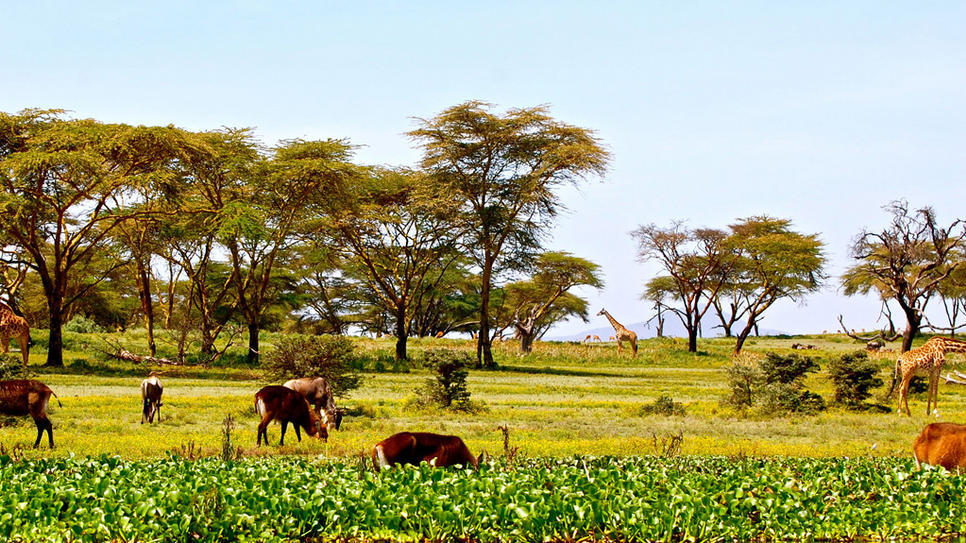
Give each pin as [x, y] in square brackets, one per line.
[13, 325]
[621, 333]
[929, 358]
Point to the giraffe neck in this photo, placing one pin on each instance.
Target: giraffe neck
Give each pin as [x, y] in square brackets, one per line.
[953, 345]
[613, 322]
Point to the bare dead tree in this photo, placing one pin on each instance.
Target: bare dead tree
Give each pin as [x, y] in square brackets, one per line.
[881, 334]
[906, 261]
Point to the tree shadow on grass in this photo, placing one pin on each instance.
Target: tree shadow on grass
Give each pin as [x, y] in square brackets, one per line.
[546, 370]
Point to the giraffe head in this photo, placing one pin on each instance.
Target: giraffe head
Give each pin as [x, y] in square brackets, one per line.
[601, 312]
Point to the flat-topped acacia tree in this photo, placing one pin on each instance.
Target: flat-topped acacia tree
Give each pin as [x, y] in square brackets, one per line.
[504, 169]
[66, 185]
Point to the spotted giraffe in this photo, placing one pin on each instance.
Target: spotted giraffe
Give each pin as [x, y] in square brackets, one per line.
[13, 325]
[622, 334]
[928, 358]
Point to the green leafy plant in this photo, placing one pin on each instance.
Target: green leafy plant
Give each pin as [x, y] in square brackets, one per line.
[11, 367]
[326, 356]
[854, 376]
[82, 325]
[447, 388]
[664, 405]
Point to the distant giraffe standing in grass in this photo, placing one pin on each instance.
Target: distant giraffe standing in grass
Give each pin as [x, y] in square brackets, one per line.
[622, 334]
[13, 325]
[929, 358]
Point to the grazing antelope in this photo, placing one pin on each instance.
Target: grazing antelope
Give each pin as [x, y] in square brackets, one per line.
[29, 397]
[276, 402]
[415, 447]
[151, 389]
[318, 393]
[941, 444]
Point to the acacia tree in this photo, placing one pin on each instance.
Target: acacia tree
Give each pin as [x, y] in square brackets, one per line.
[537, 303]
[659, 290]
[698, 262]
[773, 263]
[66, 185]
[280, 202]
[504, 170]
[189, 240]
[401, 237]
[952, 294]
[907, 261]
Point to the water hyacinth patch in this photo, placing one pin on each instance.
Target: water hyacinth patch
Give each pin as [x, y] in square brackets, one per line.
[627, 498]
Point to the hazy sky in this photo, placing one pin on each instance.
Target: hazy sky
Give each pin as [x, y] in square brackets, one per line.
[819, 112]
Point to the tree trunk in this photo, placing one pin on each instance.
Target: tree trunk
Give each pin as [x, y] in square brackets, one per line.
[693, 337]
[55, 343]
[484, 356]
[742, 336]
[913, 320]
[401, 337]
[147, 305]
[253, 330]
[526, 342]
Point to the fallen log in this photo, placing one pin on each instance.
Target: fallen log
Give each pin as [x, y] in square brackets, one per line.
[960, 378]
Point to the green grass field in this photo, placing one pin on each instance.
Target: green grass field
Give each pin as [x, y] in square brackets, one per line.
[563, 399]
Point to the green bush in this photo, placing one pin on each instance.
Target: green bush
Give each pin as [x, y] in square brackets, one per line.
[664, 405]
[744, 379]
[82, 325]
[775, 383]
[326, 356]
[11, 367]
[784, 389]
[448, 387]
[853, 375]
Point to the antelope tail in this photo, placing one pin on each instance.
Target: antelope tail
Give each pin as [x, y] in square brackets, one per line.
[260, 407]
[58, 399]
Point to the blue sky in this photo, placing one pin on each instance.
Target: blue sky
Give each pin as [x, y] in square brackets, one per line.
[818, 112]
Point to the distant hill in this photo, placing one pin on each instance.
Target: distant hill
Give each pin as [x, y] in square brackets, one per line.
[672, 328]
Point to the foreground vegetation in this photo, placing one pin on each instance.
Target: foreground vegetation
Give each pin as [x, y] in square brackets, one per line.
[597, 498]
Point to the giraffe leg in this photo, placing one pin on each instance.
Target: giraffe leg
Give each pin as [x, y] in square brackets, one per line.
[25, 347]
[935, 393]
[619, 346]
[5, 340]
[904, 393]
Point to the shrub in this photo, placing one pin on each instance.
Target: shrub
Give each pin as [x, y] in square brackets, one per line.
[664, 405]
[784, 388]
[776, 383]
[11, 367]
[447, 388]
[853, 375]
[82, 325]
[329, 357]
[744, 378]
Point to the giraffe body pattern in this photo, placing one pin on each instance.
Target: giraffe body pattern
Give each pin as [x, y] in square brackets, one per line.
[928, 358]
[622, 334]
[13, 325]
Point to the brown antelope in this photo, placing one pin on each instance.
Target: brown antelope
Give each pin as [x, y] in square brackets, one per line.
[29, 397]
[276, 402]
[151, 389]
[318, 393]
[941, 444]
[415, 447]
